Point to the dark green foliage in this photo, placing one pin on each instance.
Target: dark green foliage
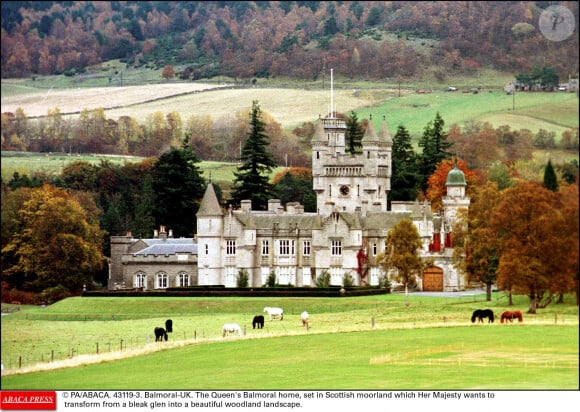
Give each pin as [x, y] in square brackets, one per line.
[550, 177]
[251, 180]
[354, 135]
[178, 186]
[295, 189]
[144, 222]
[243, 279]
[435, 149]
[323, 280]
[405, 177]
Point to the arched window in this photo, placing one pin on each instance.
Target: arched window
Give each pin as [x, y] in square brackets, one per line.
[161, 280]
[140, 280]
[182, 279]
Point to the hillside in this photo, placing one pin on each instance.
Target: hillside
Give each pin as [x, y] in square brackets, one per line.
[295, 39]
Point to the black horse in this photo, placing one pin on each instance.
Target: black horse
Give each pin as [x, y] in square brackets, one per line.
[258, 321]
[160, 334]
[482, 313]
[169, 326]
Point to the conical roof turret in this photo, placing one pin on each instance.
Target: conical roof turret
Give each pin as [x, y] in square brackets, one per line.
[209, 204]
[370, 135]
[384, 135]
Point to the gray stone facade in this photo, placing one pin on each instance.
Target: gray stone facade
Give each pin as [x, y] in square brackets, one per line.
[352, 219]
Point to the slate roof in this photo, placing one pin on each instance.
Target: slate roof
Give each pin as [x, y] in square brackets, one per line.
[170, 246]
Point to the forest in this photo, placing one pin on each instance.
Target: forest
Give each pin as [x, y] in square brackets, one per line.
[370, 40]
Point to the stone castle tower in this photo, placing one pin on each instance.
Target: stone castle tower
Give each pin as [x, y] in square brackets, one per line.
[346, 182]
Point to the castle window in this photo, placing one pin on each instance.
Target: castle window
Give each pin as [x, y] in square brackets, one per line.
[182, 279]
[318, 155]
[140, 280]
[206, 249]
[336, 248]
[306, 248]
[230, 247]
[265, 247]
[161, 280]
[374, 249]
[286, 247]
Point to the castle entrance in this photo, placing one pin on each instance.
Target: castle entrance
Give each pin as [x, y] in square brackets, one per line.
[433, 279]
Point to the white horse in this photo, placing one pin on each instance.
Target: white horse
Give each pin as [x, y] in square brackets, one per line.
[274, 312]
[231, 328]
[304, 317]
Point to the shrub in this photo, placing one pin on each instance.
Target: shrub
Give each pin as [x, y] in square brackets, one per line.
[347, 280]
[54, 294]
[243, 279]
[323, 280]
[271, 281]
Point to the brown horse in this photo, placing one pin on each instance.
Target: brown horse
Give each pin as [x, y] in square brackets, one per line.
[507, 315]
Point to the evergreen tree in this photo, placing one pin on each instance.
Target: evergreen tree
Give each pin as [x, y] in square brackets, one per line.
[435, 149]
[144, 222]
[354, 135]
[251, 180]
[178, 187]
[405, 178]
[550, 178]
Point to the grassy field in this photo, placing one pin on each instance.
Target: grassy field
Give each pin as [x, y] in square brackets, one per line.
[291, 103]
[52, 164]
[379, 342]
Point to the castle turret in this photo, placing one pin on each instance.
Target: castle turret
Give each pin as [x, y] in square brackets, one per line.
[210, 228]
[455, 199]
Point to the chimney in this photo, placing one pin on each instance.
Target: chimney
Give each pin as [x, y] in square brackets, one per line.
[246, 205]
[162, 233]
[274, 205]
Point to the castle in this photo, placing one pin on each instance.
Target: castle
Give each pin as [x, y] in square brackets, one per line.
[344, 236]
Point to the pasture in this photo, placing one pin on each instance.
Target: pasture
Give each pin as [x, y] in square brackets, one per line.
[291, 105]
[378, 342]
[52, 164]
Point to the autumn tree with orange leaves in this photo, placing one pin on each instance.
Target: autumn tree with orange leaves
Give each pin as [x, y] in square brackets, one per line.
[538, 241]
[436, 188]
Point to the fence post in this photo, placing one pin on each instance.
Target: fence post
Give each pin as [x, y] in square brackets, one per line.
[97, 348]
[52, 355]
[19, 362]
[121, 344]
[372, 322]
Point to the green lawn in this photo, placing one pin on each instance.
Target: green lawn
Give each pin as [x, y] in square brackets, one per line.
[467, 357]
[378, 341]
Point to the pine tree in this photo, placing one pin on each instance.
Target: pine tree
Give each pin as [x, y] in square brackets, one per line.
[354, 135]
[435, 148]
[405, 178]
[251, 180]
[178, 187]
[550, 178]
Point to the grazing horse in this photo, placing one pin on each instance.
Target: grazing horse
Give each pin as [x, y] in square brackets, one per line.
[304, 318]
[160, 334]
[482, 313]
[507, 315]
[274, 312]
[169, 326]
[231, 328]
[258, 321]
